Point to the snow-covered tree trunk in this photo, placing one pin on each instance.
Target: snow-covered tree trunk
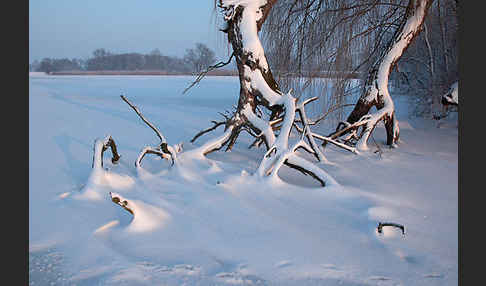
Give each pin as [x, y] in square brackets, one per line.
[376, 85]
[263, 110]
[243, 22]
[258, 89]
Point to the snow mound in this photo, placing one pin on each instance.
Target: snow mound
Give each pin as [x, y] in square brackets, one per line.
[146, 217]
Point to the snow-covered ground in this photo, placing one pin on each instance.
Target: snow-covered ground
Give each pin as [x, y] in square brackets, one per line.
[208, 221]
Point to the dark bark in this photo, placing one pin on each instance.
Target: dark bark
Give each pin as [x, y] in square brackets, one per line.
[123, 203]
[305, 172]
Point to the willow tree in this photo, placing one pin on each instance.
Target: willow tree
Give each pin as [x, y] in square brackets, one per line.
[376, 91]
[264, 111]
[270, 114]
[368, 37]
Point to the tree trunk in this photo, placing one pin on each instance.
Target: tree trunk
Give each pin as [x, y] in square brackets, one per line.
[376, 85]
[250, 59]
[258, 89]
[242, 23]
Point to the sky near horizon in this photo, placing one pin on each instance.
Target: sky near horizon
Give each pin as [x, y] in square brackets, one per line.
[74, 29]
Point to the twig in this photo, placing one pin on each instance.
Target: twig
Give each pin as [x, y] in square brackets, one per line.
[216, 124]
[336, 143]
[380, 152]
[163, 147]
[210, 68]
[159, 134]
[332, 109]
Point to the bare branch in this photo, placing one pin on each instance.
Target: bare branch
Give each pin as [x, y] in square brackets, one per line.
[382, 224]
[216, 125]
[341, 145]
[152, 150]
[159, 134]
[119, 200]
[210, 68]
[160, 149]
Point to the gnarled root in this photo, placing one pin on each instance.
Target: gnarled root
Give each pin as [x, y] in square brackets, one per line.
[163, 150]
[119, 200]
[100, 146]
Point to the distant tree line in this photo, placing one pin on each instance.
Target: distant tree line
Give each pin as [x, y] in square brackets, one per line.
[194, 60]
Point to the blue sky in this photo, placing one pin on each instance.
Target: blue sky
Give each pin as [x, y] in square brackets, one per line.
[75, 28]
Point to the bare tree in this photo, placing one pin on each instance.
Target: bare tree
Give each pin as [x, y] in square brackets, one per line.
[334, 39]
[263, 110]
[270, 115]
[200, 57]
[368, 37]
[430, 65]
[375, 91]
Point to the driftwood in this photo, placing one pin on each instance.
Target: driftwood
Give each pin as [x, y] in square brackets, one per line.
[117, 199]
[100, 147]
[162, 149]
[382, 224]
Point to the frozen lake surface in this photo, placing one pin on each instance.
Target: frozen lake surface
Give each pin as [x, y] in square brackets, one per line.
[209, 221]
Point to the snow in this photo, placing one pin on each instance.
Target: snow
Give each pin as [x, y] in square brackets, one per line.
[251, 42]
[259, 123]
[210, 220]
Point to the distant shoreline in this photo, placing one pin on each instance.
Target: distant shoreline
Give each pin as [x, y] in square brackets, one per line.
[351, 75]
[211, 73]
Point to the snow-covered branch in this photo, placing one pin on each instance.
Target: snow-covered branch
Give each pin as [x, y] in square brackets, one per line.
[163, 149]
[119, 200]
[100, 145]
[157, 132]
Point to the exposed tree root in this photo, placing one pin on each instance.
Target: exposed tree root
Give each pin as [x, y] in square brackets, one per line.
[163, 150]
[216, 125]
[375, 92]
[382, 224]
[258, 92]
[119, 200]
[100, 146]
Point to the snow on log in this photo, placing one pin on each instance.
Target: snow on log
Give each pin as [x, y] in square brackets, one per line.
[145, 217]
[214, 144]
[119, 200]
[99, 177]
[100, 145]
